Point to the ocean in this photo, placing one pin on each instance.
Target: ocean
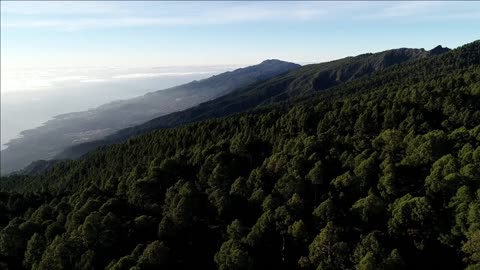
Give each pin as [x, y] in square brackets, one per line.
[30, 97]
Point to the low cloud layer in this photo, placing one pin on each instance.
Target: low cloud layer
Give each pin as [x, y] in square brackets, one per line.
[42, 79]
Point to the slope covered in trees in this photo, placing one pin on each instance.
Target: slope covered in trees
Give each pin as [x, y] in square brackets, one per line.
[297, 83]
[382, 172]
[71, 129]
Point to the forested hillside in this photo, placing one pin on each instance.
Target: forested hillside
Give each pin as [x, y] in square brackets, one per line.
[66, 130]
[294, 84]
[382, 172]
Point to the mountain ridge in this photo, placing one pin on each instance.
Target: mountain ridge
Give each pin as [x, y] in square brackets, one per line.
[314, 77]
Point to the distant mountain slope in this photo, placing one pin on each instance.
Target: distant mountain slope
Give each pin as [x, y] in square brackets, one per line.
[37, 167]
[73, 128]
[300, 82]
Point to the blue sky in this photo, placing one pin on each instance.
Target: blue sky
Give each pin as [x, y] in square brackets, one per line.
[57, 34]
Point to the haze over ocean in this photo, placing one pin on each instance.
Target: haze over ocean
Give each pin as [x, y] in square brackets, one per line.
[30, 97]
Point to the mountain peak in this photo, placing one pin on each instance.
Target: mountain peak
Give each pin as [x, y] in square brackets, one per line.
[439, 50]
[272, 61]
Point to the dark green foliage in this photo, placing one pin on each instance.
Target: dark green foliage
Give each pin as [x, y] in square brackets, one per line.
[154, 256]
[382, 172]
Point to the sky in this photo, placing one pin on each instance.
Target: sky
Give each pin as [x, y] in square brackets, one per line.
[140, 34]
